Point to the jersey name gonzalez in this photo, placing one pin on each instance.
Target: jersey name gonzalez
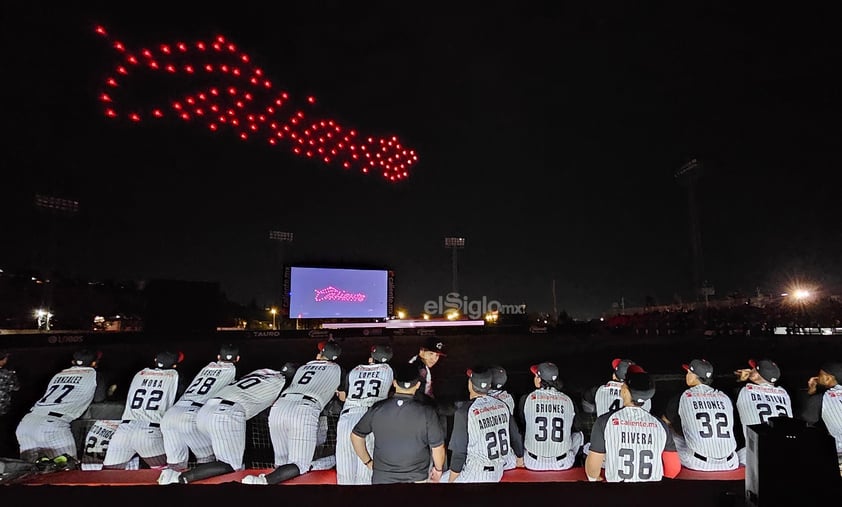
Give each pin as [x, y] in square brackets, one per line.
[69, 392]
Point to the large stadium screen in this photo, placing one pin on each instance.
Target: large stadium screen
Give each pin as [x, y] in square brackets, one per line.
[329, 293]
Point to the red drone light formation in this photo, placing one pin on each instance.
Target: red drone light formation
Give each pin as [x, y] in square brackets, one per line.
[331, 293]
[245, 102]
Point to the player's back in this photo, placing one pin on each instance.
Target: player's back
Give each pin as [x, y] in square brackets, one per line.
[255, 391]
[209, 381]
[707, 421]
[318, 379]
[832, 414]
[634, 443]
[607, 398]
[505, 397]
[151, 393]
[368, 384]
[488, 432]
[548, 415]
[69, 392]
[756, 403]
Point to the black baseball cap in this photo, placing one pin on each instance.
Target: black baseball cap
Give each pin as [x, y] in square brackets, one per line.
[547, 371]
[434, 344]
[766, 368]
[499, 377]
[621, 367]
[167, 359]
[229, 352]
[4, 354]
[641, 386]
[381, 353]
[405, 374]
[834, 368]
[330, 350]
[481, 378]
[288, 369]
[85, 357]
[702, 368]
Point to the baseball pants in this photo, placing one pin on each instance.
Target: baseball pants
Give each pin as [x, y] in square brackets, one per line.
[695, 461]
[531, 461]
[224, 424]
[44, 435]
[136, 437]
[293, 428]
[473, 472]
[182, 435]
[349, 467]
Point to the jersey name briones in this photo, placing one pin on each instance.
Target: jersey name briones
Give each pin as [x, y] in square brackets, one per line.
[550, 408]
[708, 404]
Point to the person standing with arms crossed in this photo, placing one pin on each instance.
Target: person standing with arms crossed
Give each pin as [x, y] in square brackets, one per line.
[151, 393]
[367, 384]
[702, 422]
[548, 415]
[222, 422]
[45, 431]
[759, 399]
[407, 435]
[629, 442]
[294, 417]
[178, 426]
[484, 432]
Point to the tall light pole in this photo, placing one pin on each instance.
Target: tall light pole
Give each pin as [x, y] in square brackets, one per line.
[274, 312]
[454, 244]
[687, 176]
[282, 239]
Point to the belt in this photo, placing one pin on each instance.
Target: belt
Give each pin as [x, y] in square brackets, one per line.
[226, 402]
[55, 414]
[704, 458]
[196, 404]
[558, 458]
[151, 425]
[303, 397]
[345, 411]
[487, 469]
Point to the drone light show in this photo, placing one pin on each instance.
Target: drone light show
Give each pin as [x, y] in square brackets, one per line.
[233, 96]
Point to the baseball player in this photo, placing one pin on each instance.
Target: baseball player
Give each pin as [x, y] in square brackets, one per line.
[427, 357]
[759, 399]
[604, 398]
[499, 377]
[294, 417]
[702, 422]
[484, 432]
[367, 384]
[179, 423]
[222, 422]
[151, 393]
[631, 444]
[45, 430]
[823, 405]
[409, 440]
[550, 439]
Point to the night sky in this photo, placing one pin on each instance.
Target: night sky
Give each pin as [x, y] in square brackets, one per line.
[548, 136]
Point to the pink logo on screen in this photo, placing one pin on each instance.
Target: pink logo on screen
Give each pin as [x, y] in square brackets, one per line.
[331, 293]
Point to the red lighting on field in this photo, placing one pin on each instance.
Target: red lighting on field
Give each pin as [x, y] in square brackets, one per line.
[225, 66]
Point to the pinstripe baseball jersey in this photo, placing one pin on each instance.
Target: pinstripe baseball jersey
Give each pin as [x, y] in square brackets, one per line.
[707, 421]
[633, 441]
[256, 391]
[209, 381]
[368, 384]
[317, 379]
[607, 398]
[756, 403]
[832, 414]
[69, 392]
[488, 440]
[548, 419]
[151, 393]
[508, 399]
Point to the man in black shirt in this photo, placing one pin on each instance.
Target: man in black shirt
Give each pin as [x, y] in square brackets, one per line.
[407, 434]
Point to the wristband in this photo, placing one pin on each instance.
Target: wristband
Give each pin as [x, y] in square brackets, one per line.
[436, 469]
[369, 461]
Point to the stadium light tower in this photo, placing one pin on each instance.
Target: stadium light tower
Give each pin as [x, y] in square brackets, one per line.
[454, 244]
[282, 239]
[688, 175]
